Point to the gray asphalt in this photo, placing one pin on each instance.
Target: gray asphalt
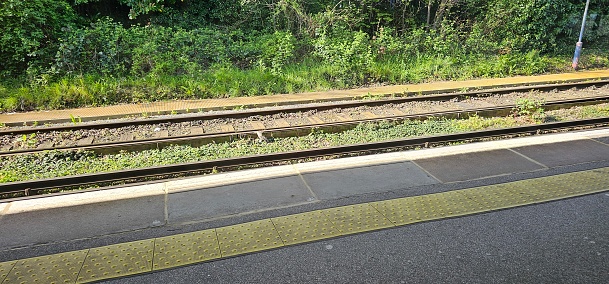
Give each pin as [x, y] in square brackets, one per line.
[557, 242]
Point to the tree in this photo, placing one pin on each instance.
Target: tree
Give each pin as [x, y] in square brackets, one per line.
[29, 32]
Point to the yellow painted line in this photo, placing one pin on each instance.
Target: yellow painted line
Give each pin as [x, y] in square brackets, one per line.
[173, 251]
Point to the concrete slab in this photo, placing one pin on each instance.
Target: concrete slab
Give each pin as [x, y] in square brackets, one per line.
[193, 205]
[82, 215]
[379, 178]
[470, 166]
[604, 140]
[566, 153]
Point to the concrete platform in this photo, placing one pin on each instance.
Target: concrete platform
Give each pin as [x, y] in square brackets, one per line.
[166, 107]
[202, 199]
[218, 244]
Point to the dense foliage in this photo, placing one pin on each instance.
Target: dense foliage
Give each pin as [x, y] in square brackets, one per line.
[64, 53]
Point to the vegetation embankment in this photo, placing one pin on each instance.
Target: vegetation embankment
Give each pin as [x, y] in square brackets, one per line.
[72, 53]
[56, 164]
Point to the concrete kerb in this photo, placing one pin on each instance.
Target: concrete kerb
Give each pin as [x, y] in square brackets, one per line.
[90, 213]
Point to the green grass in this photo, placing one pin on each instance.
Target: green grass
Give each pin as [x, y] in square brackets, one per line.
[225, 80]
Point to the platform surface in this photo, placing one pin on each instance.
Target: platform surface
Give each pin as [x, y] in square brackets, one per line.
[318, 202]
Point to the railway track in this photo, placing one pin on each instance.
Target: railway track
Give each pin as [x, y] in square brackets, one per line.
[28, 188]
[289, 131]
[278, 128]
[33, 187]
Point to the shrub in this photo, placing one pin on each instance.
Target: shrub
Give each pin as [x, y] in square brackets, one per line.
[276, 50]
[522, 25]
[104, 48]
[385, 43]
[30, 30]
[348, 52]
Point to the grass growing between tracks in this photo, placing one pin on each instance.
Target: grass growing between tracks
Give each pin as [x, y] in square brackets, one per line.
[56, 164]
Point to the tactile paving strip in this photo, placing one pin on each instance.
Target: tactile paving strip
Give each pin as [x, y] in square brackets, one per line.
[544, 189]
[357, 218]
[305, 227]
[421, 208]
[185, 249]
[248, 237]
[55, 268]
[531, 191]
[496, 197]
[5, 267]
[137, 257]
[117, 260]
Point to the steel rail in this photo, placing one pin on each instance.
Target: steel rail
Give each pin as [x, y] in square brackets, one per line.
[200, 139]
[411, 97]
[134, 174]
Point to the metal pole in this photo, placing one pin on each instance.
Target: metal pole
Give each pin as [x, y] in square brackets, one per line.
[578, 46]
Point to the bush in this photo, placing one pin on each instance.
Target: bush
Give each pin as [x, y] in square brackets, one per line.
[30, 30]
[177, 51]
[104, 48]
[347, 52]
[276, 50]
[523, 25]
[385, 43]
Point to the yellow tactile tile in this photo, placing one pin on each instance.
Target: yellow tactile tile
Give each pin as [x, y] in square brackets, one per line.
[538, 190]
[5, 268]
[421, 208]
[185, 249]
[305, 227]
[55, 268]
[248, 237]
[496, 197]
[357, 218]
[117, 260]
[562, 186]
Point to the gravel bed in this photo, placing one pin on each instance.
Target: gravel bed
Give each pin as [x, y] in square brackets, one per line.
[71, 138]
